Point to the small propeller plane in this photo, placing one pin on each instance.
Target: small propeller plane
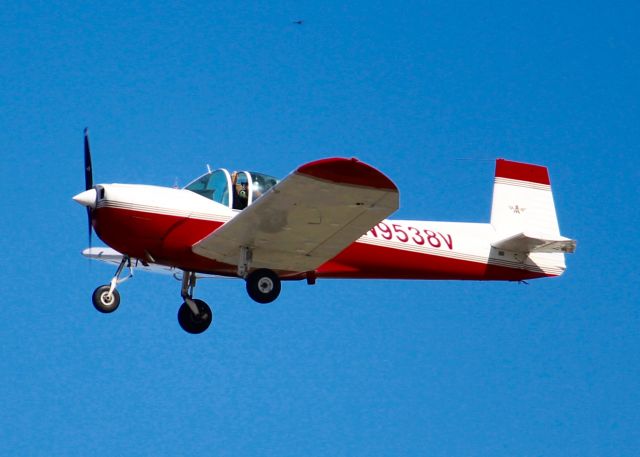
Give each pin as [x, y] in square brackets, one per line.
[326, 219]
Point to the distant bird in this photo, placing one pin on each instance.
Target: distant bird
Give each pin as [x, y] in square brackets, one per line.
[299, 22]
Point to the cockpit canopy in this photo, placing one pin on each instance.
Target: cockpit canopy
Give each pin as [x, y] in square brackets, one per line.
[236, 190]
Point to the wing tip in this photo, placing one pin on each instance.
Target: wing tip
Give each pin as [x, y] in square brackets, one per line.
[347, 171]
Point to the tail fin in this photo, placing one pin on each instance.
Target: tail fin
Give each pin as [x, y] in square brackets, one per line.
[522, 199]
[523, 212]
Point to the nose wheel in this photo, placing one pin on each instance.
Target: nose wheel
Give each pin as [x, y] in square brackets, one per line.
[106, 300]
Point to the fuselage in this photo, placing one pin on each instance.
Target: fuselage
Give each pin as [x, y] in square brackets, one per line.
[160, 225]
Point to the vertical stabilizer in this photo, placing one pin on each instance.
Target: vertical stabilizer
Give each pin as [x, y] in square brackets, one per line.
[522, 200]
[524, 217]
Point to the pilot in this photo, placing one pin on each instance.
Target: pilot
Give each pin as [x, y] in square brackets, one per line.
[241, 193]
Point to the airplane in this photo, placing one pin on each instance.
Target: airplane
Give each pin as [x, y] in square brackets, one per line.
[326, 219]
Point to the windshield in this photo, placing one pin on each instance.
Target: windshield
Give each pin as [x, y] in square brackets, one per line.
[214, 186]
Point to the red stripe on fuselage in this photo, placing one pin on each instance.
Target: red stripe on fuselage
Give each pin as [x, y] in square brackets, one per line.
[168, 239]
[361, 260]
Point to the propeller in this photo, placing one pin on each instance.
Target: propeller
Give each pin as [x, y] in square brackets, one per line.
[88, 177]
[88, 171]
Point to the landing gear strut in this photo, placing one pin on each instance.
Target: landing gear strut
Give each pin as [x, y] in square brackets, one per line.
[106, 299]
[194, 316]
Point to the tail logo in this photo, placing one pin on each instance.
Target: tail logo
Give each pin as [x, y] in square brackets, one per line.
[517, 209]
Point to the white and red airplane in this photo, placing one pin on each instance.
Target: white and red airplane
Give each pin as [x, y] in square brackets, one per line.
[326, 219]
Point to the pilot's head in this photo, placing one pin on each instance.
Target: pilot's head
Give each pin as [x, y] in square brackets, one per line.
[241, 189]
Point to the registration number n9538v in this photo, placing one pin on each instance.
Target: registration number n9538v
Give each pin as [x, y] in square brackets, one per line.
[409, 234]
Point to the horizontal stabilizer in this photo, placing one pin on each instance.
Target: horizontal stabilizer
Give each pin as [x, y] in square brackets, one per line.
[528, 242]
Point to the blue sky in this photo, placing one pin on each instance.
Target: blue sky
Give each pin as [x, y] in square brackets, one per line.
[429, 92]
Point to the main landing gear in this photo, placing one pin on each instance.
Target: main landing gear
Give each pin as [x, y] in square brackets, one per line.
[194, 316]
[263, 285]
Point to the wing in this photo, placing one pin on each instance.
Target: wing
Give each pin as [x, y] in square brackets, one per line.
[307, 218]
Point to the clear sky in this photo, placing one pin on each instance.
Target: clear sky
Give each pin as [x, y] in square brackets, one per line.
[429, 92]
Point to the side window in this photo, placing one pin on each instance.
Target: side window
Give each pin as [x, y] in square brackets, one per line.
[259, 186]
[261, 183]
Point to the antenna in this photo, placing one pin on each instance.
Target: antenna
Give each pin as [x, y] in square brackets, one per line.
[473, 159]
[209, 168]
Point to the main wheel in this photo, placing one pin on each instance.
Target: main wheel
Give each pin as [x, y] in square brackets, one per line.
[104, 302]
[195, 324]
[263, 285]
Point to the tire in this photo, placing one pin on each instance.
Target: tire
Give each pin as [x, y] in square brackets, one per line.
[102, 302]
[195, 324]
[263, 285]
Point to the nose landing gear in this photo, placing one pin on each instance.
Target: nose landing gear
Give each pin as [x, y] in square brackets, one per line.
[106, 299]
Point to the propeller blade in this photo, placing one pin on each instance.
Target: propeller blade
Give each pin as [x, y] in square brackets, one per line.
[89, 218]
[88, 170]
[88, 178]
